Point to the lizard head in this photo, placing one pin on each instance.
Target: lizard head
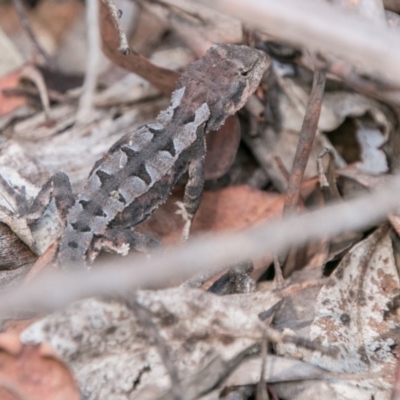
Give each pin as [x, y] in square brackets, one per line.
[224, 78]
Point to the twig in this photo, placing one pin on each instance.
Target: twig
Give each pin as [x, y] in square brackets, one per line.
[282, 168]
[93, 44]
[55, 291]
[115, 15]
[19, 8]
[298, 287]
[306, 140]
[302, 155]
[33, 74]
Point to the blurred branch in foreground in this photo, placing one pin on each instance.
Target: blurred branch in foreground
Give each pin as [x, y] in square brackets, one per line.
[58, 290]
[321, 27]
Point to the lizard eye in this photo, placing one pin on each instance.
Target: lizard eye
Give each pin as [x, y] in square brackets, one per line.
[244, 72]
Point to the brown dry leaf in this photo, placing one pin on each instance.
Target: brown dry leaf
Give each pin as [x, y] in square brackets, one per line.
[56, 17]
[163, 79]
[10, 103]
[236, 207]
[222, 146]
[113, 355]
[231, 208]
[26, 373]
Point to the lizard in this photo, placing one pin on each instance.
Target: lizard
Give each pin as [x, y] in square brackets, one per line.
[138, 172]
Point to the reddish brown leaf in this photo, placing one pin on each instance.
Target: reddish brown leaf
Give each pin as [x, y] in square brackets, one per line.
[236, 207]
[222, 146]
[10, 103]
[27, 374]
[232, 208]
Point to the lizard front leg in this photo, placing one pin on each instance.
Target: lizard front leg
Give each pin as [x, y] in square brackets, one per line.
[193, 188]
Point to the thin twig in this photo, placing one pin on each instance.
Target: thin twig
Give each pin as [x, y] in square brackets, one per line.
[302, 155]
[34, 75]
[298, 287]
[115, 15]
[54, 291]
[85, 108]
[306, 140]
[20, 9]
[282, 168]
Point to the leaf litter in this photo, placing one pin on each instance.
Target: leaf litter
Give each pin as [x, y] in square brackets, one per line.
[332, 328]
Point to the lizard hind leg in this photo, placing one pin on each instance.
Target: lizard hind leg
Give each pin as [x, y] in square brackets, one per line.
[122, 241]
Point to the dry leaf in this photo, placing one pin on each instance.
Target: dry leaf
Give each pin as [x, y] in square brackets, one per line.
[222, 146]
[10, 103]
[352, 311]
[231, 208]
[236, 207]
[113, 355]
[27, 374]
